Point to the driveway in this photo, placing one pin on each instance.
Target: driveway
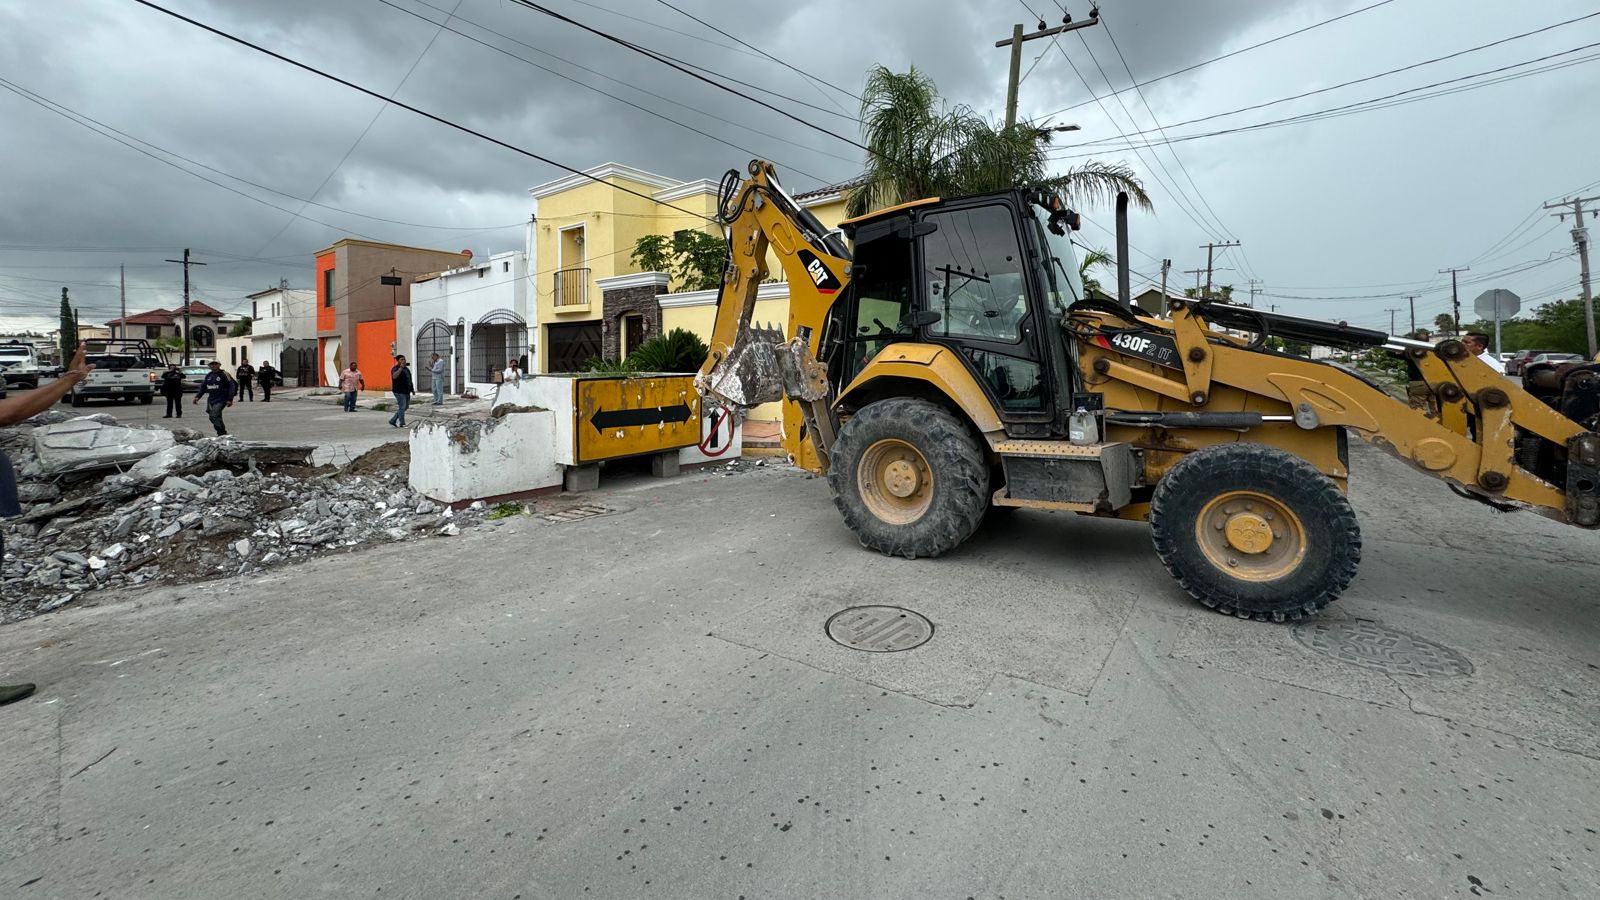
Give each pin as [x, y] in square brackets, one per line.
[637, 699]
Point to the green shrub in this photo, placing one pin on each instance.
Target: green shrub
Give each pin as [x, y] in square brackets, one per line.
[676, 351]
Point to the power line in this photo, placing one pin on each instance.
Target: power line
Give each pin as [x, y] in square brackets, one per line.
[1234, 53]
[643, 109]
[1345, 84]
[359, 138]
[544, 10]
[69, 113]
[408, 107]
[1384, 102]
[802, 73]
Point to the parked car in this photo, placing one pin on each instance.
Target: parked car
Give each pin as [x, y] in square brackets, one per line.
[193, 376]
[1519, 359]
[1554, 359]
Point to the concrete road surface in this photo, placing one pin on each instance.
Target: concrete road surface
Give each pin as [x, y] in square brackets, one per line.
[642, 704]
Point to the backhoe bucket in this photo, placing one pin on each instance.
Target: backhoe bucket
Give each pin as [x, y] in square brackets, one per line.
[761, 367]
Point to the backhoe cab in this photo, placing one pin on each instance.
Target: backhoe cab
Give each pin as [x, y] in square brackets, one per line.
[950, 362]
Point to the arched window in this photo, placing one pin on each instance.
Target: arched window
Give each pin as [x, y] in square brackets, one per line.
[433, 337]
[497, 339]
[202, 336]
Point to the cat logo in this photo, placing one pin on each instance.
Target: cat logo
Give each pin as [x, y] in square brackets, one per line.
[820, 276]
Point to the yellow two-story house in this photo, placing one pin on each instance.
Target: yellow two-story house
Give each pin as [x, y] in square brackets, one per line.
[592, 300]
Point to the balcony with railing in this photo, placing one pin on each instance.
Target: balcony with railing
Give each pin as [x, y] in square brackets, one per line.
[572, 290]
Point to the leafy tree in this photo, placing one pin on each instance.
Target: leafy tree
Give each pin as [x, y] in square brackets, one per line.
[1445, 323]
[1557, 325]
[241, 327]
[921, 147]
[694, 259]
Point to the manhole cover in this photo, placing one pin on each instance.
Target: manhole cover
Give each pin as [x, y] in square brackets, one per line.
[1380, 647]
[879, 629]
[572, 513]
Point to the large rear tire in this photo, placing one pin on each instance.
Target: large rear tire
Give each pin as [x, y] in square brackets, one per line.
[1255, 532]
[909, 478]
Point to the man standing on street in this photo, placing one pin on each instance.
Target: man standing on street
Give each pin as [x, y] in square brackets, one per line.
[400, 384]
[246, 376]
[218, 390]
[13, 410]
[436, 378]
[351, 382]
[172, 389]
[1478, 344]
[268, 377]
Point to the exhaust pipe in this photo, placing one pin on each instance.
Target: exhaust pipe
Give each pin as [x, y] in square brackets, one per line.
[1124, 292]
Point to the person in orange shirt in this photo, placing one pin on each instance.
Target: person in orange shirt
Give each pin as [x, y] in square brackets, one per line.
[351, 382]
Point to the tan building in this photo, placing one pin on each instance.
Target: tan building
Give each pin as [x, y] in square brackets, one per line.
[364, 301]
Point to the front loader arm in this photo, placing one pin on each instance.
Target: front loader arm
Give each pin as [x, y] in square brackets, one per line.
[750, 365]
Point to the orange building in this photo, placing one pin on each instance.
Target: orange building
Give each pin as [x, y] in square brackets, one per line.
[364, 301]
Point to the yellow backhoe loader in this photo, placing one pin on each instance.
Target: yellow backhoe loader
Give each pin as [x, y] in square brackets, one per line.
[946, 361]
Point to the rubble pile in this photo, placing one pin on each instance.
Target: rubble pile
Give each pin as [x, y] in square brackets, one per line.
[194, 508]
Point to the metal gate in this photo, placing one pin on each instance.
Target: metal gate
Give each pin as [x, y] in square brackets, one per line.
[497, 339]
[571, 345]
[299, 364]
[433, 338]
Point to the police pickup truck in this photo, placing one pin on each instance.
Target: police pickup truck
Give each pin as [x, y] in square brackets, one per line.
[123, 371]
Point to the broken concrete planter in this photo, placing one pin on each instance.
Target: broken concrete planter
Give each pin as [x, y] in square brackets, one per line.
[472, 459]
[86, 444]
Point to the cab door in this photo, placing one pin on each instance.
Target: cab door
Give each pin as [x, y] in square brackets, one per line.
[973, 271]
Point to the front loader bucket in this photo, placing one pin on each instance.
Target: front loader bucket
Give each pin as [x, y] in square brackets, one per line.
[761, 367]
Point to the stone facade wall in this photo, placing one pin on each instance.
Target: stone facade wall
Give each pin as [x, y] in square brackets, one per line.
[622, 301]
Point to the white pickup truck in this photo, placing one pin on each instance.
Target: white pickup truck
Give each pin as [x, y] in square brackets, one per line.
[122, 372]
[19, 364]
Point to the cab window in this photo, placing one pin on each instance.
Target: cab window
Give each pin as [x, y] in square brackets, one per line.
[883, 299]
[972, 271]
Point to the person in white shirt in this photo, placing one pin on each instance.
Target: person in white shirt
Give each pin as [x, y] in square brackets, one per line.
[512, 374]
[1479, 345]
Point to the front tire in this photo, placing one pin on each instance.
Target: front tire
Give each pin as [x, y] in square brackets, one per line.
[1255, 532]
[909, 478]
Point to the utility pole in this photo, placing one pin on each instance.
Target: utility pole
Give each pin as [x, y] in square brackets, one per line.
[186, 264]
[1210, 251]
[1455, 298]
[1254, 290]
[1580, 239]
[122, 273]
[1166, 266]
[1015, 43]
[1197, 273]
[1391, 313]
[1412, 302]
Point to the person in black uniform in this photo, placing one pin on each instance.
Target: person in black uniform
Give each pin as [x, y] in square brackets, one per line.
[246, 376]
[268, 376]
[172, 389]
[13, 410]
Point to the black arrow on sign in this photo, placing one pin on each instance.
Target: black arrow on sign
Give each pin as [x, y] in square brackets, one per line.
[650, 415]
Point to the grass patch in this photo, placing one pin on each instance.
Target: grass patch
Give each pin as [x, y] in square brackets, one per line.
[507, 510]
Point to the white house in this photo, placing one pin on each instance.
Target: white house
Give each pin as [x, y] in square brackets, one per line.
[478, 318]
[283, 328]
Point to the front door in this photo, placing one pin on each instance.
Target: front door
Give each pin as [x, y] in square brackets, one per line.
[974, 274]
[632, 332]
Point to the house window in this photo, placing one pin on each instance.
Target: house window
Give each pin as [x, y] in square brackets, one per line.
[274, 310]
[327, 287]
[151, 332]
[201, 336]
[482, 271]
[254, 314]
[507, 265]
[233, 356]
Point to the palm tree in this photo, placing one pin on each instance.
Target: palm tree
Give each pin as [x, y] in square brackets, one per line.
[919, 147]
[1091, 259]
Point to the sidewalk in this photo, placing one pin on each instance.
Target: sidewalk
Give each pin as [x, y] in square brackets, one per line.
[421, 404]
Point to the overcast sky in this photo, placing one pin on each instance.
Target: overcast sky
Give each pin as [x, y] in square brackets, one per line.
[1365, 204]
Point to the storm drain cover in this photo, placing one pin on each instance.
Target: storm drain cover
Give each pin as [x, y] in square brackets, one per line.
[879, 629]
[1374, 646]
[573, 513]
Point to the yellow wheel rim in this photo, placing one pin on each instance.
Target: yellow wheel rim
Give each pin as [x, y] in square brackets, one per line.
[895, 481]
[1251, 536]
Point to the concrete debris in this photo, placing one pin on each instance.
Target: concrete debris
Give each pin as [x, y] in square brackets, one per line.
[197, 509]
[88, 443]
